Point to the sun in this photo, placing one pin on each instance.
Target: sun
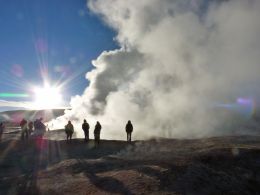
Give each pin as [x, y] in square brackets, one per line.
[47, 97]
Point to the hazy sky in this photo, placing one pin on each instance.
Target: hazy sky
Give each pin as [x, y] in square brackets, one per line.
[50, 38]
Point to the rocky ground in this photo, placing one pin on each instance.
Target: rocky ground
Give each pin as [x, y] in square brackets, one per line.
[219, 165]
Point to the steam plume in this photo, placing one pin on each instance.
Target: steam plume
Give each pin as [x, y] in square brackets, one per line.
[181, 66]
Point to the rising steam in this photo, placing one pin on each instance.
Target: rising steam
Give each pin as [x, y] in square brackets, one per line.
[180, 69]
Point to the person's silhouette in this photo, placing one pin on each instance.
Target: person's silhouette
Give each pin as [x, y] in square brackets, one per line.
[129, 130]
[23, 125]
[97, 131]
[85, 127]
[69, 130]
[30, 127]
[2, 127]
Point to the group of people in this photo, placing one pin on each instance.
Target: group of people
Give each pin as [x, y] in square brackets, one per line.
[69, 130]
[38, 129]
[28, 126]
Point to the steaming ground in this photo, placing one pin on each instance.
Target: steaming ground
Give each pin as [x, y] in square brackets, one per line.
[218, 165]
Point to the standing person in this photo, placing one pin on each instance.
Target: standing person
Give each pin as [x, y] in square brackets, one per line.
[129, 130]
[23, 125]
[69, 130]
[36, 124]
[2, 128]
[41, 126]
[97, 131]
[30, 127]
[85, 127]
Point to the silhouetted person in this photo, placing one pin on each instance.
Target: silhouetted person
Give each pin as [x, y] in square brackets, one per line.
[85, 127]
[41, 126]
[97, 131]
[2, 128]
[129, 130]
[30, 127]
[35, 124]
[69, 129]
[23, 125]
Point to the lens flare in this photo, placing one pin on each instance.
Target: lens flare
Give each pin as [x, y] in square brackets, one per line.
[248, 104]
[41, 45]
[13, 95]
[244, 106]
[47, 97]
[17, 70]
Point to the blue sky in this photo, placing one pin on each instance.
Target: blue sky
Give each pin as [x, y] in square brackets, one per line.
[59, 38]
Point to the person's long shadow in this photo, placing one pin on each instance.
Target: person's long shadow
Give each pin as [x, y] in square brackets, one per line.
[22, 160]
[20, 169]
[112, 185]
[106, 183]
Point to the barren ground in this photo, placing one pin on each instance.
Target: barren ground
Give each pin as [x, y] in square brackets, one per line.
[219, 165]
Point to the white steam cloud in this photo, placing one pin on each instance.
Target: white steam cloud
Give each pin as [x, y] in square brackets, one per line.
[178, 60]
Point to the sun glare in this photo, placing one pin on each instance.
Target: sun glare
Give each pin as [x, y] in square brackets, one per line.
[47, 97]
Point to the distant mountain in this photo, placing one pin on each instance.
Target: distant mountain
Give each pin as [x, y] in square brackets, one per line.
[15, 116]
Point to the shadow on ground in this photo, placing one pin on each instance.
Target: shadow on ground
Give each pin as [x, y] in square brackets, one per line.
[225, 165]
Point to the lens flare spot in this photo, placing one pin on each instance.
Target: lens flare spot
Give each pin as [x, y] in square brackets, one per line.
[13, 95]
[41, 45]
[242, 105]
[62, 69]
[17, 70]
